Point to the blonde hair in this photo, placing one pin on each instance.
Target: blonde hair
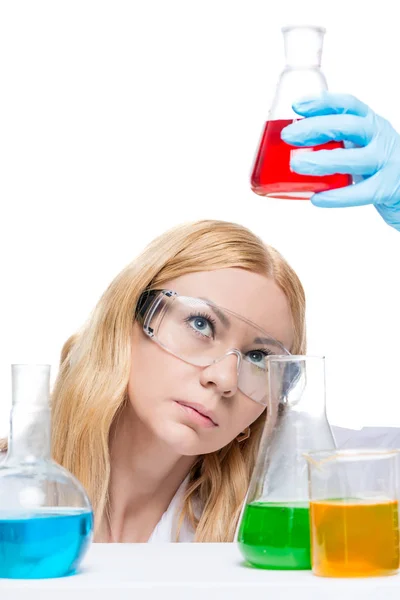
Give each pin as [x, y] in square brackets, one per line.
[91, 387]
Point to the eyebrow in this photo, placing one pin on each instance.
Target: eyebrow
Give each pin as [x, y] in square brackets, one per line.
[266, 340]
[225, 321]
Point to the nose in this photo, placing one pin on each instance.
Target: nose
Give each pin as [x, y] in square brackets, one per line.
[223, 374]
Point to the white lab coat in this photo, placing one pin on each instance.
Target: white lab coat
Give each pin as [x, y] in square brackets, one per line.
[165, 530]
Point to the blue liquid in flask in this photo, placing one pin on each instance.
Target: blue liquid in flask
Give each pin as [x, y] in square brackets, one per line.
[45, 543]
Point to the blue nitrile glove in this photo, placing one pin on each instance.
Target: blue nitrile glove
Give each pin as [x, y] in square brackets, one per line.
[374, 155]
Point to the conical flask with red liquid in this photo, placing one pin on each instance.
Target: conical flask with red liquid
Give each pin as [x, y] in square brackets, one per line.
[302, 76]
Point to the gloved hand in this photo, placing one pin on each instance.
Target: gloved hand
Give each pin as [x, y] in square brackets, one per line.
[374, 155]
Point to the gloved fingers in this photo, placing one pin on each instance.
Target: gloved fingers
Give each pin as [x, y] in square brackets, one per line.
[390, 214]
[347, 144]
[355, 161]
[360, 194]
[328, 104]
[319, 130]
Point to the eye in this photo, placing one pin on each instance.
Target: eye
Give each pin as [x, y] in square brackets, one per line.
[201, 324]
[257, 357]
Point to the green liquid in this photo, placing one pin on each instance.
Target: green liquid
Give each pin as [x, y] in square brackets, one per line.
[276, 535]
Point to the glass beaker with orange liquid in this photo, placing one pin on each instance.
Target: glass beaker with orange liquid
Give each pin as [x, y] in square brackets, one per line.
[274, 528]
[354, 512]
[302, 76]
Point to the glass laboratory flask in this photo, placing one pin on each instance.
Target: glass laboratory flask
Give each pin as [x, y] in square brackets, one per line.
[46, 519]
[274, 528]
[354, 512]
[302, 76]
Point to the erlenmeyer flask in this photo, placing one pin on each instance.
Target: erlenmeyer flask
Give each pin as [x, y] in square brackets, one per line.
[46, 519]
[302, 76]
[274, 528]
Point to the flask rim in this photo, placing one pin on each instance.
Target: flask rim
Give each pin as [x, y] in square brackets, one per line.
[295, 357]
[31, 365]
[318, 28]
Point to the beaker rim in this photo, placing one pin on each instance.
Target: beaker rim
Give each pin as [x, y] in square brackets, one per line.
[318, 28]
[351, 453]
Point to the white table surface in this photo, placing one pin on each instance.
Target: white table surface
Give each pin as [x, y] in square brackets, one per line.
[174, 571]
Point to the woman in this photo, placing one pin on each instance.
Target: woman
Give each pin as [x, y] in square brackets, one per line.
[121, 417]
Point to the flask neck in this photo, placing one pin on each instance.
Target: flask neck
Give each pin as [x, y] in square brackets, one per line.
[297, 394]
[303, 46]
[30, 420]
[29, 439]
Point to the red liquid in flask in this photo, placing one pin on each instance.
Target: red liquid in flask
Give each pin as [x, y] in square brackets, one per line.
[272, 175]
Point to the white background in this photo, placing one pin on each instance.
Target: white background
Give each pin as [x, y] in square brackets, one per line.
[121, 119]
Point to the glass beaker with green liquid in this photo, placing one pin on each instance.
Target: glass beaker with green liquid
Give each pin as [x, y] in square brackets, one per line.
[274, 528]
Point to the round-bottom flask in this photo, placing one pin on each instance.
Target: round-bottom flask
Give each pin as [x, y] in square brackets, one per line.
[46, 519]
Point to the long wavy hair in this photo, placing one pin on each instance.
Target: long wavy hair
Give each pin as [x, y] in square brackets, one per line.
[91, 387]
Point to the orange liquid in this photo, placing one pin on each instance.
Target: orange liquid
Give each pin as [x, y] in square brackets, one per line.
[354, 538]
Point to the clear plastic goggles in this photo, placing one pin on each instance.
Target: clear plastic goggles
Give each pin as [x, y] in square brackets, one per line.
[201, 333]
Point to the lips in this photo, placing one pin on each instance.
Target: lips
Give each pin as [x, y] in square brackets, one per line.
[200, 409]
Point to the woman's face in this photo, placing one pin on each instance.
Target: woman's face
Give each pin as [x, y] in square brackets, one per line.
[160, 384]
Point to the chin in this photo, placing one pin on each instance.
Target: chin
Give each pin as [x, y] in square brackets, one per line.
[182, 439]
[186, 446]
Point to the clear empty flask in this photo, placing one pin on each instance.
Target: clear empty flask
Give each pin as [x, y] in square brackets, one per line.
[46, 519]
[302, 76]
[274, 529]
